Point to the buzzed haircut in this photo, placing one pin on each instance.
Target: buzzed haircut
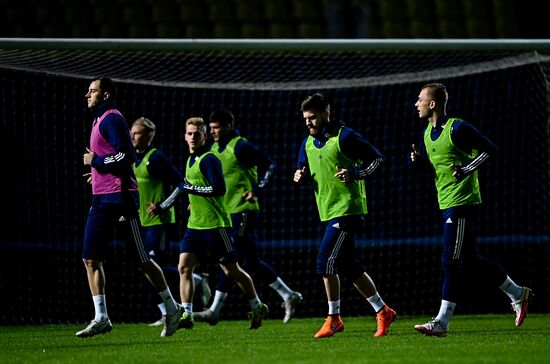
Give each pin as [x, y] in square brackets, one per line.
[438, 92]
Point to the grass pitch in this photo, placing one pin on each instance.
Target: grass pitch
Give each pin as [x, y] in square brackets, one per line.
[472, 339]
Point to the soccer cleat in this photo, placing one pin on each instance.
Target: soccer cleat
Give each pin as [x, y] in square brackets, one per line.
[384, 318]
[333, 324]
[159, 322]
[257, 315]
[171, 322]
[520, 306]
[204, 287]
[290, 305]
[95, 328]
[186, 321]
[432, 328]
[207, 315]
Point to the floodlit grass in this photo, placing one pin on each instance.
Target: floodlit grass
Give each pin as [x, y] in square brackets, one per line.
[472, 339]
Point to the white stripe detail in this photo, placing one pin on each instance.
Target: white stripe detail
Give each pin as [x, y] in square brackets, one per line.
[460, 227]
[115, 158]
[200, 190]
[371, 168]
[226, 239]
[334, 254]
[474, 164]
[267, 176]
[170, 200]
[143, 256]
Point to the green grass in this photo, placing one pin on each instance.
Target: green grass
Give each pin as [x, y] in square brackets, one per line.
[472, 339]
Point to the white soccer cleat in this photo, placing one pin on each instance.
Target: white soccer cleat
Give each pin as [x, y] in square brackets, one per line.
[159, 322]
[95, 328]
[432, 328]
[290, 305]
[520, 306]
[207, 315]
[171, 323]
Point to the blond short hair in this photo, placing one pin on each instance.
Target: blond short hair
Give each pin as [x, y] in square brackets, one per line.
[198, 122]
[146, 123]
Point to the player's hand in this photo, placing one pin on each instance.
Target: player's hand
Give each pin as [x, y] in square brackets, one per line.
[153, 209]
[249, 196]
[458, 172]
[88, 156]
[415, 154]
[299, 174]
[342, 174]
[88, 177]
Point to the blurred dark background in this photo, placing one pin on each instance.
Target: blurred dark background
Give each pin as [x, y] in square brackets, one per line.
[273, 19]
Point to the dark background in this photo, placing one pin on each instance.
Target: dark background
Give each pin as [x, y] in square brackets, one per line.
[274, 19]
[44, 129]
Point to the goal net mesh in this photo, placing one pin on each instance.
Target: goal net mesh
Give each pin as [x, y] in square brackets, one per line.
[45, 128]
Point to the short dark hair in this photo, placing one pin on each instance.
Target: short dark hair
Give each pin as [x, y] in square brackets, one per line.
[315, 102]
[222, 116]
[107, 85]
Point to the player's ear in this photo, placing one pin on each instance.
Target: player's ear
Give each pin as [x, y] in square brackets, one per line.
[106, 95]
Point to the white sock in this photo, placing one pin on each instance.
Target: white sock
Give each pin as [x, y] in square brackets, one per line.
[255, 302]
[187, 307]
[511, 289]
[162, 308]
[169, 302]
[217, 303]
[445, 313]
[100, 308]
[376, 302]
[334, 307]
[282, 289]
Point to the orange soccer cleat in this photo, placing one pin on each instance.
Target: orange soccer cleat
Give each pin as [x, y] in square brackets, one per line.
[384, 318]
[332, 325]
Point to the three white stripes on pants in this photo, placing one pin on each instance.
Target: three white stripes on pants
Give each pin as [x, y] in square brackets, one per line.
[460, 228]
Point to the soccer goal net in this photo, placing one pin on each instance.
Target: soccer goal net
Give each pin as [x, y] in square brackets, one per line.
[500, 87]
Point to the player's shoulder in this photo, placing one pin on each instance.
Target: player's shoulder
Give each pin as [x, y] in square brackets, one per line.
[459, 125]
[157, 155]
[209, 157]
[347, 133]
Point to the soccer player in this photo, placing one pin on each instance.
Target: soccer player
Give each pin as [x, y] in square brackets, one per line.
[158, 181]
[115, 204]
[242, 163]
[455, 150]
[209, 225]
[337, 160]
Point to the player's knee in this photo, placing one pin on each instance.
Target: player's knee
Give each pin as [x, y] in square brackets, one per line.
[92, 264]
